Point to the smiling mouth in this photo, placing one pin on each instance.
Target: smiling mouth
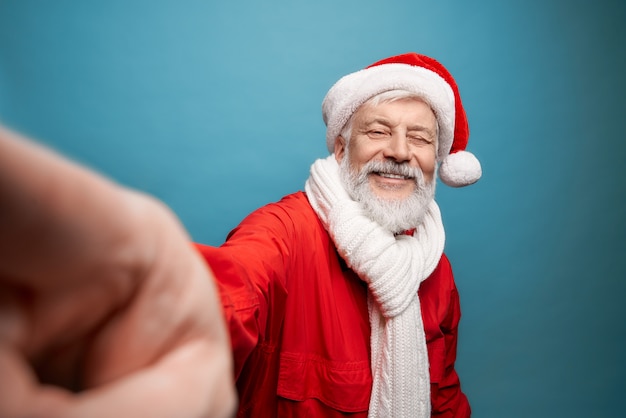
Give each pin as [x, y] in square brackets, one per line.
[393, 176]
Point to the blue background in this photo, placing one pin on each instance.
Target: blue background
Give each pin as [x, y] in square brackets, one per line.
[214, 107]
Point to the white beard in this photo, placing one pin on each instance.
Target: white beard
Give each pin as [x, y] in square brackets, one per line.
[395, 215]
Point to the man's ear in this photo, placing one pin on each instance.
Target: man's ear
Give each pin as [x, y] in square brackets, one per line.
[340, 148]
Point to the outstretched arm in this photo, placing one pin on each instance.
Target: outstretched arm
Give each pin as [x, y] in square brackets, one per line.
[106, 309]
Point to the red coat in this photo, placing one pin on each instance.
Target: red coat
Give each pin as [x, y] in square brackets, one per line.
[299, 325]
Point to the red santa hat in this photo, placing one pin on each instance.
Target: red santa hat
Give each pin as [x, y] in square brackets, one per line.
[429, 80]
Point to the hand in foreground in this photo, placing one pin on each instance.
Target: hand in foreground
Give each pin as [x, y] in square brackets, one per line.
[105, 308]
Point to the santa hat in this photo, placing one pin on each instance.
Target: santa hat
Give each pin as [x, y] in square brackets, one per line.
[428, 79]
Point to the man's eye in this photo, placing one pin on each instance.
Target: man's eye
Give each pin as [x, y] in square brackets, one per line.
[377, 134]
[419, 140]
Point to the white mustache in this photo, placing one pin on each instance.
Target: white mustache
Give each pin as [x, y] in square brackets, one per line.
[390, 167]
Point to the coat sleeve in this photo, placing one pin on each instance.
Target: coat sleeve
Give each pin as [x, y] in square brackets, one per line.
[251, 270]
[448, 401]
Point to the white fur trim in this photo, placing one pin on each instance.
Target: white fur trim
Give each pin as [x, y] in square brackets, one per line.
[352, 90]
[460, 169]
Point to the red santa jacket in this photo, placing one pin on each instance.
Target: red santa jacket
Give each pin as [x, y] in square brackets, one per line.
[299, 324]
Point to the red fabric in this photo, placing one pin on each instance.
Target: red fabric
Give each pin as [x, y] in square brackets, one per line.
[299, 324]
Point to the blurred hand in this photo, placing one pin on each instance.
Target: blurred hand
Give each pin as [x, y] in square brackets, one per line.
[105, 307]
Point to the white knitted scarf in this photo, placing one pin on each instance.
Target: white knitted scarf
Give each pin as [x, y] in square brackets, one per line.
[393, 268]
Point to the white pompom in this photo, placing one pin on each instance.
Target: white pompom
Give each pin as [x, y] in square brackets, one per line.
[460, 169]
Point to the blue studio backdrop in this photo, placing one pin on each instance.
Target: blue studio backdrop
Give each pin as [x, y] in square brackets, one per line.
[214, 108]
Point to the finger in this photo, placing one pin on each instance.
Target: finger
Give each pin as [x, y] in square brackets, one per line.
[20, 392]
[193, 381]
[175, 304]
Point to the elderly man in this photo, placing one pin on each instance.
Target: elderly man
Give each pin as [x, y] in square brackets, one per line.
[340, 301]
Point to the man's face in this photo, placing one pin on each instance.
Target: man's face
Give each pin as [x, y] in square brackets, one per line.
[403, 131]
[389, 163]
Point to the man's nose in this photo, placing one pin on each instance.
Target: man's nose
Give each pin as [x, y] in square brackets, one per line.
[398, 148]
